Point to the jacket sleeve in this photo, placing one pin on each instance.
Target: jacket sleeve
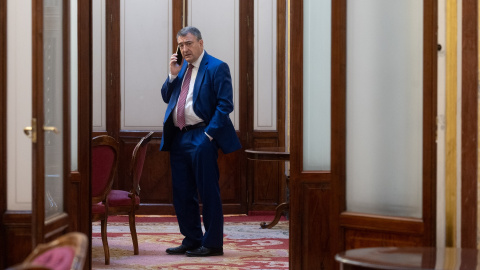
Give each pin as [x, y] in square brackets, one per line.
[167, 89]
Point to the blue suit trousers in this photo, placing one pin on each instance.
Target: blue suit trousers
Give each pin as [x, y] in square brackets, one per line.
[195, 175]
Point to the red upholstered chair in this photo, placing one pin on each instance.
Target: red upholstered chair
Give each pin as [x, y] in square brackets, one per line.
[121, 202]
[64, 253]
[105, 151]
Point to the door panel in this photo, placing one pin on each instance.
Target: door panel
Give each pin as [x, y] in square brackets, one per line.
[49, 130]
[321, 195]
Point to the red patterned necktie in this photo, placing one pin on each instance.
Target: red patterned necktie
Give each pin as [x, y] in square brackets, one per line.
[183, 98]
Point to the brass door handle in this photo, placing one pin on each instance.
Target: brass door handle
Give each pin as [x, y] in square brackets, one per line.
[52, 129]
[31, 132]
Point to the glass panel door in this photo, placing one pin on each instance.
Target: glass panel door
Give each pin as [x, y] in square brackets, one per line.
[50, 121]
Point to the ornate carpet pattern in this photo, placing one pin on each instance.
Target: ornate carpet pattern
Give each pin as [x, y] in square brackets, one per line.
[246, 245]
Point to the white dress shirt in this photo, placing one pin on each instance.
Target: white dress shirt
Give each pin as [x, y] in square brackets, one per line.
[190, 117]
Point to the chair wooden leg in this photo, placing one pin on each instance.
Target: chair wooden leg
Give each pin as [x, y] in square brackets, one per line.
[133, 232]
[106, 249]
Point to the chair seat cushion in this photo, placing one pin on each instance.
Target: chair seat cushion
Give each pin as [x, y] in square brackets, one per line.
[120, 198]
[98, 208]
[57, 258]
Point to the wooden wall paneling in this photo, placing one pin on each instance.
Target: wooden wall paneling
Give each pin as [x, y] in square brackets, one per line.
[366, 238]
[267, 189]
[156, 197]
[3, 127]
[266, 180]
[316, 206]
[469, 154]
[369, 230]
[18, 236]
[232, 186]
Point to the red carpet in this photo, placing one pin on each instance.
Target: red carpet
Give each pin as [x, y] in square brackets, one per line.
[246, 245]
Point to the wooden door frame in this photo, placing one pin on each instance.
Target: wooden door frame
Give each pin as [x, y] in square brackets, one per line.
[84, 28]
[469, 129]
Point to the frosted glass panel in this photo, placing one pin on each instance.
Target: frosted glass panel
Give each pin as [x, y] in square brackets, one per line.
[53, 106]
[384, 107]
[316, 84]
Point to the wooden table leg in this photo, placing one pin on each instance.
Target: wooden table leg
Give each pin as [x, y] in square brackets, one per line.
[278, 213]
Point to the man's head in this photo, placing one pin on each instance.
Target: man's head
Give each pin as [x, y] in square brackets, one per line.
[191, 43]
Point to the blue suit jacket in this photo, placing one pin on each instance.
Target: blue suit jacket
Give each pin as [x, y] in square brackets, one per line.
[212, 101]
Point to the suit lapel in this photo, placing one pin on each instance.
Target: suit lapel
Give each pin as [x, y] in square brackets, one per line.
[199, 79]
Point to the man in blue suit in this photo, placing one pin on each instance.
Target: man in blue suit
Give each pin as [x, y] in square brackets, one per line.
[200, 98]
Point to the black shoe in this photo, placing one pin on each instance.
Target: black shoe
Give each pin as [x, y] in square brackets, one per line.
[180, 250]
[204, 252]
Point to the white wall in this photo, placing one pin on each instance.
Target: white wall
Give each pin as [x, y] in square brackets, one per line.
[19, 104]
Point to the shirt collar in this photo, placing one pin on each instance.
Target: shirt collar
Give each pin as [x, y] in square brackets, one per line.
[199, 60]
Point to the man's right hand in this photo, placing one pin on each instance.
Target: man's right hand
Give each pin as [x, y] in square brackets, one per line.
[174, 67]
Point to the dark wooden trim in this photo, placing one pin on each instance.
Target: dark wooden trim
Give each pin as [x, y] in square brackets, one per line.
[382, 223]
[177, 21]
[56, 226]
[246, 71]
[430, 41]
[469, 163]
[245, 88]
[296, 136]
[66, 109]
[112, 42]
[38, 149]
[3, 125]
[281, 62]
[338, 111]
[84, 28]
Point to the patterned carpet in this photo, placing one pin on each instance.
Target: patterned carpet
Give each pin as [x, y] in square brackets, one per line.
[246, 245]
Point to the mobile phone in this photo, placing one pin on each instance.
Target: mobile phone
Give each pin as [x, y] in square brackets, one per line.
[179, 57]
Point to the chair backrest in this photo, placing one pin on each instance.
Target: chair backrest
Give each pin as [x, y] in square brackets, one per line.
[138, 159]
[66, 252]
[105, 152]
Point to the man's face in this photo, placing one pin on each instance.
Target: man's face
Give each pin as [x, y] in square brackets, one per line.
[191, 47]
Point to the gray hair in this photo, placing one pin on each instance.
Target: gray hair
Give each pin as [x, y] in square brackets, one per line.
[190, 29]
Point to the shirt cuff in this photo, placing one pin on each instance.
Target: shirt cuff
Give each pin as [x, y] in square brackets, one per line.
[172, 77]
